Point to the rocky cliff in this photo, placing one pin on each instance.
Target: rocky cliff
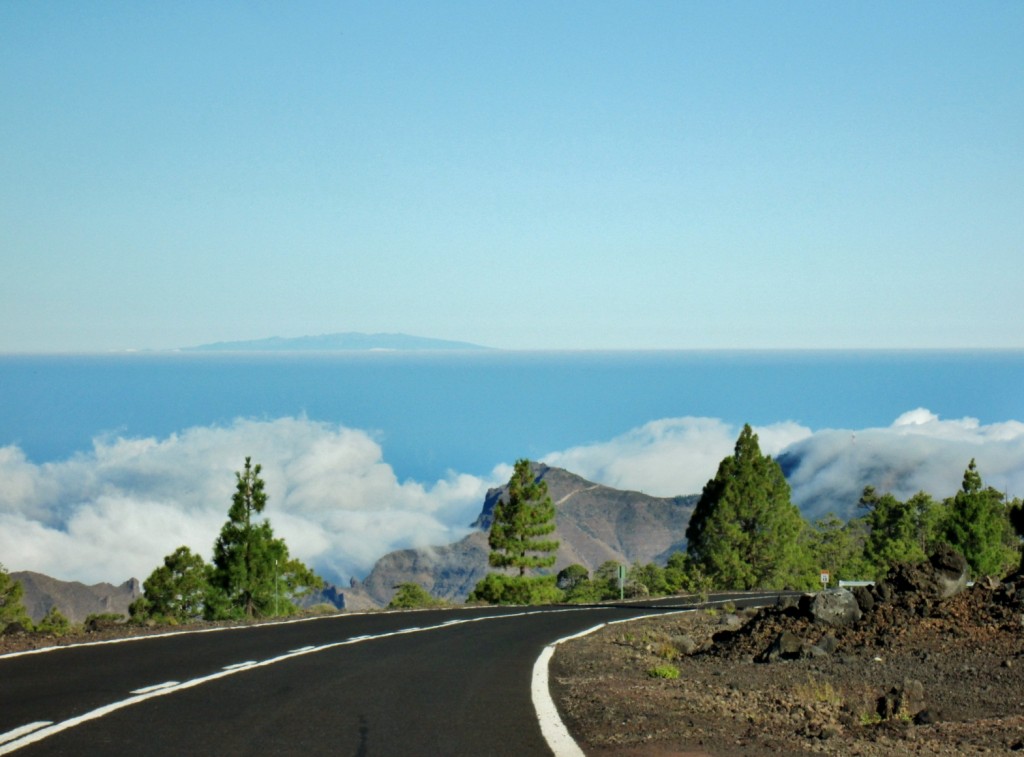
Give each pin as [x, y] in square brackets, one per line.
[595, 523]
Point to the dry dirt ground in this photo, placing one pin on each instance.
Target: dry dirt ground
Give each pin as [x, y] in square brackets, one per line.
[915, 675]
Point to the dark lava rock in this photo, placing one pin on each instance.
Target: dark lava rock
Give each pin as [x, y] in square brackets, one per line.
[827, 644]
[834, 607]
[865, 599]
[905, 700]
[788, 646]
[951, 571]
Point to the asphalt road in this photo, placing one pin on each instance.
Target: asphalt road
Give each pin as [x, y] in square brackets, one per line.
[445, 682]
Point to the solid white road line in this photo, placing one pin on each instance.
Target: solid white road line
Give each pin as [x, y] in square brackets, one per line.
[17, 733]
[551, 724]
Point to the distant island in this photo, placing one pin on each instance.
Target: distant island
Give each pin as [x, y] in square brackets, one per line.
[341, 342]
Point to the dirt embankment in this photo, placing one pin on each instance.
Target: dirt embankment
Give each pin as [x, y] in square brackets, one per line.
[897, 669]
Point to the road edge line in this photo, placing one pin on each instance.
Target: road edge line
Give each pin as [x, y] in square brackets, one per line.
[552, 727]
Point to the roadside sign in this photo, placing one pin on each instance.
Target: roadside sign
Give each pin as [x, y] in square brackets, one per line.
[824, 578]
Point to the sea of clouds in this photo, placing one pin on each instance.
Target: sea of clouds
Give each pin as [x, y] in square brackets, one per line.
[115, 511]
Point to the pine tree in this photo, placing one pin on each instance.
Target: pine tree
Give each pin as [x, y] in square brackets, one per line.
[978, 525]
[745, 533]
[252, 573]
[520, 523]
[893, 534]
[177, 590]
[12, 609]
[838, 547]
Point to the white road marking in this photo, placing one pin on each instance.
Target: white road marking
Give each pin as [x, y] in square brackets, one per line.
[37, 732]
[145, 637]
[239, 665]
[51, 729]
[17, 733]
[156, 687]
[552, 727]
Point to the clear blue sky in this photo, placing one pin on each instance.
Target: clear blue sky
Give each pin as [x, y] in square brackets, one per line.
[521, 175]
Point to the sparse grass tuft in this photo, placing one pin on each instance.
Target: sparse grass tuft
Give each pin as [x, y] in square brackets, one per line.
[664, 671]
[816, 691]
[666, 650]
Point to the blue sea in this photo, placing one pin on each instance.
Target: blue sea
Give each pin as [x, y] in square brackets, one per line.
[435, 412]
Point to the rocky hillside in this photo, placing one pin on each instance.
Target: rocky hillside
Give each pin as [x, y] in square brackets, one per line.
[74, 600]
[595, 523]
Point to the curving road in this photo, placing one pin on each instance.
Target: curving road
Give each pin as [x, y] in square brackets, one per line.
[443, 682]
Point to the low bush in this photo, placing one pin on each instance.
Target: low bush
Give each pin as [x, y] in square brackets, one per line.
[54, 623]
[411, 596]
[500, 589]
[664, 671]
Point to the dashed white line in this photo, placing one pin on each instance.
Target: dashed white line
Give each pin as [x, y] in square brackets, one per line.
[45, 730]
[146, 637]
[240, 665]
[155, 687]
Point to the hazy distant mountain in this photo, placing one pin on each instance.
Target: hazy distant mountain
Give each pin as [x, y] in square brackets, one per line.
[595, 523]
[342, 342]
[75, 600]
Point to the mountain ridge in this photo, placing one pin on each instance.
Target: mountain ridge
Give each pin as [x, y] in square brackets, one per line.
[345, 341]
[594, 524]
[75, 601]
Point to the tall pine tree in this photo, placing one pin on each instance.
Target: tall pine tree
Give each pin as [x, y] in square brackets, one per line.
[252, 573]
[521, 522]
[745, 532]
[978, 525]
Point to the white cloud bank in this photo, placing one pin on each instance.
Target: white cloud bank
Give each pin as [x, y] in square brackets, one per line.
[669, 456]
[114, 512]
[918, 452]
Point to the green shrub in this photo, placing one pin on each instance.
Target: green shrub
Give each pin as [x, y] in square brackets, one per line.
[54, 623]
[664, 671]
[651, 577]
[586, 592]
[500, 589]
[411, 596]
[571, 576]
[12, 609]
